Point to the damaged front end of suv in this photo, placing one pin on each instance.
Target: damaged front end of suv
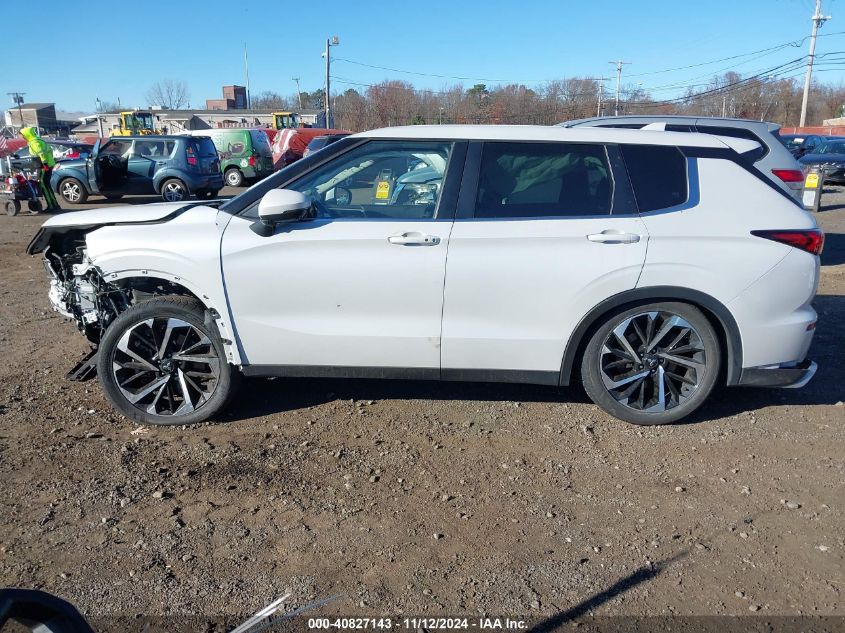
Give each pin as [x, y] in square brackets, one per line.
[103, 263]
[78, 290]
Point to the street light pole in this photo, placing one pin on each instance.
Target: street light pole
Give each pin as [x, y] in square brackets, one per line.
[818, 20]
[17, 98]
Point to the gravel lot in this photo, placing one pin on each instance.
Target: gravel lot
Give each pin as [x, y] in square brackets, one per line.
[418, 498]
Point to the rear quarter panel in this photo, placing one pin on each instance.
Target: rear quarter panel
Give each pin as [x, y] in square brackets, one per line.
[707, 244]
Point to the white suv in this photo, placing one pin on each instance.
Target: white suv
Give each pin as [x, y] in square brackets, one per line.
[650, 264]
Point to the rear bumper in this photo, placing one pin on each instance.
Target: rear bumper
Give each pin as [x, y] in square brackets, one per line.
[792, 375]
[211, 183]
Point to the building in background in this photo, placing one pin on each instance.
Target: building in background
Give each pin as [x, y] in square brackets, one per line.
[234, 98]
[179, 121]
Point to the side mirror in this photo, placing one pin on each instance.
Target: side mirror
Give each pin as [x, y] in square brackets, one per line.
[283, 205]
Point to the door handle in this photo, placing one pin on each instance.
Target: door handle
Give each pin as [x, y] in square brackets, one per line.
[614, 237]
[414, 239]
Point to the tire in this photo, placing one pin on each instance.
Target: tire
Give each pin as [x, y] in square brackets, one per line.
[34, 206]
[205, 194]
[13, 207]
[174, 190]
[615, 352]
[179, 391]
[234, 177]
[114, 196]
[73, 191]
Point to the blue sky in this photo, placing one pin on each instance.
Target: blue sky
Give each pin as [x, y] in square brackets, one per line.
[117, 50]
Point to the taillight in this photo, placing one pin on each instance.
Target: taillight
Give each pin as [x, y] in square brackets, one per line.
[189, 154]
[252, 161]
[809, 240]
[789, 175]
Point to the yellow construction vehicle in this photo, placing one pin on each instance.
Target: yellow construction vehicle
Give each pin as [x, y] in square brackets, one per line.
[285, 120]
[135, 123]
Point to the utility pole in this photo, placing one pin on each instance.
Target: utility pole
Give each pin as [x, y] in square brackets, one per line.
[17, 99]
[246, 72]
[619, 64]
[601, 94]
[332, 41]
[298, 92]
[818, 20]
[724, 106]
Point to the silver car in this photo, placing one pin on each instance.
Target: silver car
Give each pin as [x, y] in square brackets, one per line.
[773, 159]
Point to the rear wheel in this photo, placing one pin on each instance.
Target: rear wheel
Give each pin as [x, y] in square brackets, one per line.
[160, 363]
[13, 207]
[652, 364]
[73, 191]
[234, 177]
[174, 190]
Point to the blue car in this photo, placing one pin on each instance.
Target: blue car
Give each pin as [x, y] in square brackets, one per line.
[174, 167]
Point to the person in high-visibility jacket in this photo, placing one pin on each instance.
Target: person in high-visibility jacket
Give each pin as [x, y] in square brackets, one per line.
[38, 147]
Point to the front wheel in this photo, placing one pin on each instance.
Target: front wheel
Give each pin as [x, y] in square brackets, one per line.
[160, 363]
[652, 364]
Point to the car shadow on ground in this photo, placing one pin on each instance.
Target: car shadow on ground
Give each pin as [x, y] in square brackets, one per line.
[261, 397]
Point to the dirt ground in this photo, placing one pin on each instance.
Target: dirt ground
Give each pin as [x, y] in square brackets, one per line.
[418, 498]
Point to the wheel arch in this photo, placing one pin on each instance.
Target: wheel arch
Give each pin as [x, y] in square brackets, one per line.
[149, 282]
[715, 311]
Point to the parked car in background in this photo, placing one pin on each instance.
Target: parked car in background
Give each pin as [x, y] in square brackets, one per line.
[63, 150]
[172, 166]
[290, 144]
[831, 155]
[319, 142]
[800, 144]
[651, 265]
[772, 159]
[245, 154]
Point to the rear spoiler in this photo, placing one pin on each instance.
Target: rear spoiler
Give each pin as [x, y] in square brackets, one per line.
[741, 146]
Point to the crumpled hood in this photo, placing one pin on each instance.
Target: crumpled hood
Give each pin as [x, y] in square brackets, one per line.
[94, 218]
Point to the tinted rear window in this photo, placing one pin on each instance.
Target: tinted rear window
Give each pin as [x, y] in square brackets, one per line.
[658, 175]
[204, 146]
[260, 142]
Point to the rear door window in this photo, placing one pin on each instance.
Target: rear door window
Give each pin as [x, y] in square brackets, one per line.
[658, 175]
[536, 180]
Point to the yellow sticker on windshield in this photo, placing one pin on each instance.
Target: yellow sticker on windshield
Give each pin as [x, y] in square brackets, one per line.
[812, 181]
[382, 190]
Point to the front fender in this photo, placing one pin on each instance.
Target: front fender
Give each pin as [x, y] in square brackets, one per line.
[184, 251]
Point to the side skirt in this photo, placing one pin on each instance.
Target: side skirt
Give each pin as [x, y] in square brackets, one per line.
[405, 373]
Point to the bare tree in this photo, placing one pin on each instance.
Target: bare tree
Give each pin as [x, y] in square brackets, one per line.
[170, 94]
[269, 100]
